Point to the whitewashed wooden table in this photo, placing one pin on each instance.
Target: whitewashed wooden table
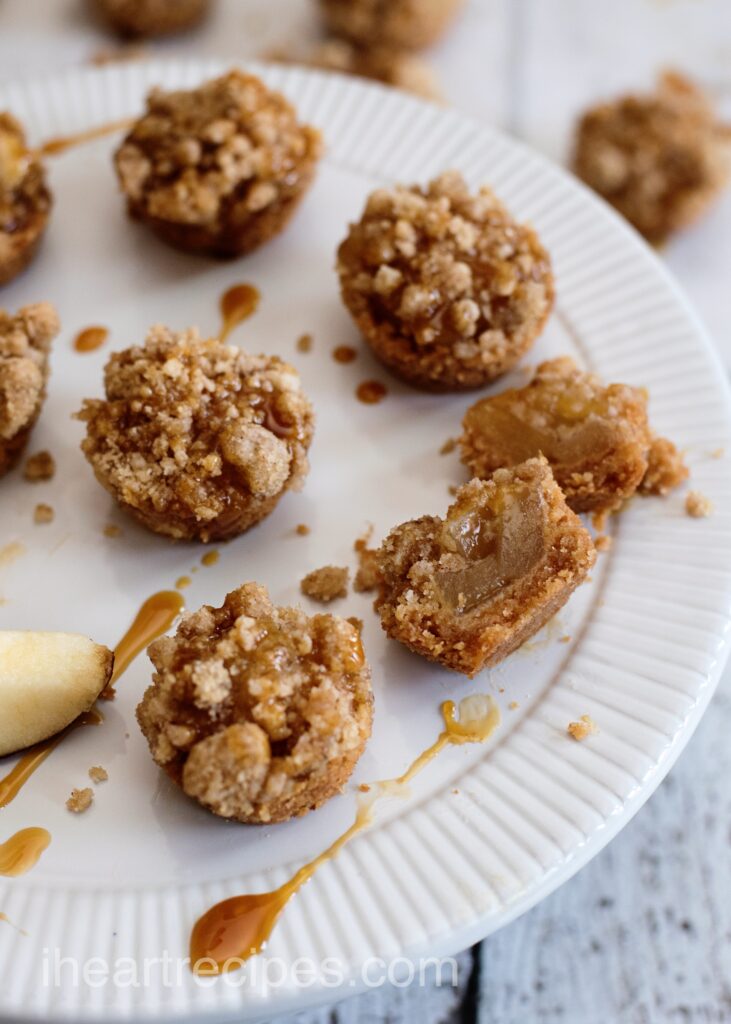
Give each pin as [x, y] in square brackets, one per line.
[643, 934]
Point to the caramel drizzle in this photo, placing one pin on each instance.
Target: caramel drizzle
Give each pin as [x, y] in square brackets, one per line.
[237, 304]
[52, 147]
[370, 392]
[155, 616]
[210, 558]
[90, 339]
[22, 851]
[237, 928]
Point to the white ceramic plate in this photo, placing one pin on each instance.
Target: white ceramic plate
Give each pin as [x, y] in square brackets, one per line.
[486, 831]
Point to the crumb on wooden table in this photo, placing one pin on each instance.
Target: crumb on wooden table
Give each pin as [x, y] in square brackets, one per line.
[80, 800]
[304, 343]
[698, 505]
[43, 514]
[449, 445]
[581, 729]
[302, 529]
[40, 466]
[98, 774]
[326, 584]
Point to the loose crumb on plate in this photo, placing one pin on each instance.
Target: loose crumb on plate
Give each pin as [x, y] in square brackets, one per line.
[698, 505]
[581, 729]
[302, 529]
[43, 514]
[513, 705]
[112, 530]
[564, 639]
[304, 343]
[326, 584]
[603, 543]
[40, 466]
[367, 575]
[449, 445]
[80, 800]
[98, 774]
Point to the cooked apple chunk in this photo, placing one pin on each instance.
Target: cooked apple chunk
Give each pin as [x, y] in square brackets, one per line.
[46, 681]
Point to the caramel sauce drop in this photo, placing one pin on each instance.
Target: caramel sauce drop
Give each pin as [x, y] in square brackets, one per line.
[90, 339]
[52, 147]
[210, 558]
[22, 851]
[155, 616]
[33, 758]
[344, 354]
[238, 304]
[370, 392]
[182, 582]
[238, 928]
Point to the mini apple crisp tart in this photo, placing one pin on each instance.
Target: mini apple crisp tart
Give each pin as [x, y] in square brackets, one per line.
[403, 24]
[25, 201]
[660, 159]
[447, 289]
[196, 439]
[25, 341]
[219, 169]
[467, 590]
[259, 713]
[152, 17]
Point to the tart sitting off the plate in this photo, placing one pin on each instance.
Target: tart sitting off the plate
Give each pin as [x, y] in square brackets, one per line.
[402, 24]
[219, 169]
[25, 201]
[446, 288]
[259, 713]
[196, 439]
[152, 17]
[25, 341]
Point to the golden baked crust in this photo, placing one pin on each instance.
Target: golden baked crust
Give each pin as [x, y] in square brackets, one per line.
[25, 341]
[197, 439]
[384, 64]
[402, 24]
[660, 159]
[219, 169]
[447, 289]
[259, 713]
[469, 589]
[25, 201]
[152, 17]
[595, 438]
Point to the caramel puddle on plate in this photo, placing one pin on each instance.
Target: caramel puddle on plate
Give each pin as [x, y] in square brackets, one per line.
[22, 851]
[52, 147]
[237, 304]
[155, 616]
[90, 339]
[370, 392]
[238, 928]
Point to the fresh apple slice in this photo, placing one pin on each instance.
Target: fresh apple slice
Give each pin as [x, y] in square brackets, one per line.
[46, 681]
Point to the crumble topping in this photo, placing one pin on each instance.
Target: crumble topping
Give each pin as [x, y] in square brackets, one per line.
[23, 191]
[25, 341]
[403, 24]
[98, 774]
[40, 467]
[368, 574]
[152, 17]
[580, 730]
[603, 542]
[660, 158]
[197, 437]
[596, 438]
[43, 514]
[447, 288]
[698, 505]
[469, 589]
[326, 584]
[80, 800]
[666, 468]
[258, 712]
[215, 156]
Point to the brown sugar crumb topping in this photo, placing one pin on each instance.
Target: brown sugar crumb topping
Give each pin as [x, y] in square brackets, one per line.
[43, 514]
[603, 542]
[98, 774]
[258, 712]
[464, 285]
[666, 468]
[660, 159]
[188, 426]
[698, 505]
[23, 192]
[39, 467]
[25, 341]
[225, 150]
[326, 584]
[80, 800]
[581, 729]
